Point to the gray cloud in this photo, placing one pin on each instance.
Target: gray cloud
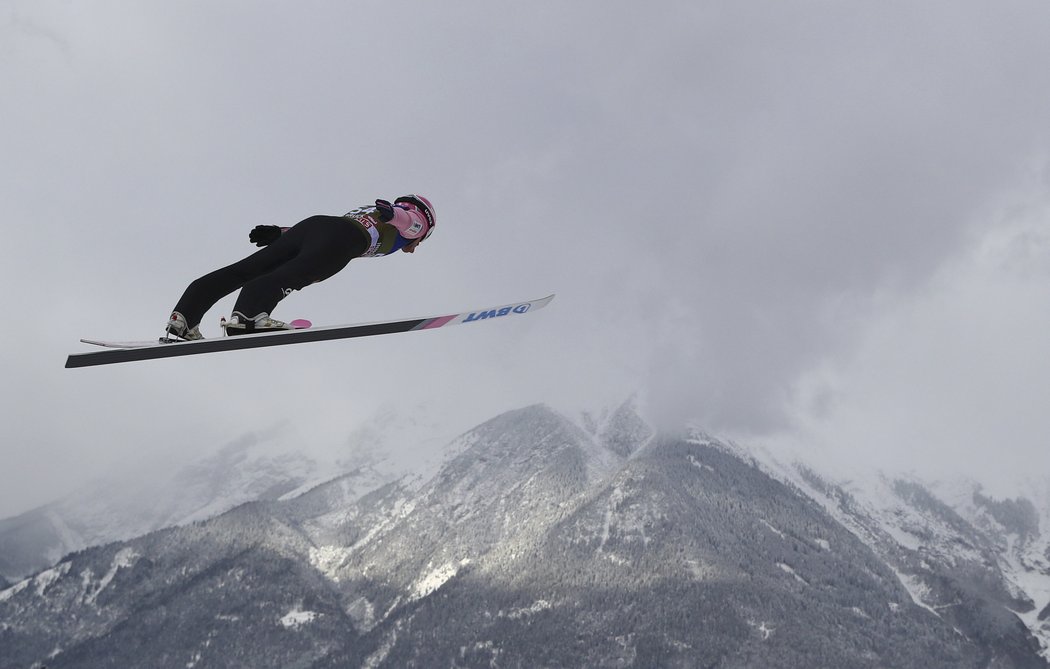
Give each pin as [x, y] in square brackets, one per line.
[726, 197]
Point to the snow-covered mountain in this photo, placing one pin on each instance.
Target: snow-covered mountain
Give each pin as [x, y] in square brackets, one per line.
[544, 541]
[252, 468]
[952, 546]
[119, 509]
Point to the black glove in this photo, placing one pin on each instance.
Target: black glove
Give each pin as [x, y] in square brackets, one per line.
[264, 235]
[386, 211]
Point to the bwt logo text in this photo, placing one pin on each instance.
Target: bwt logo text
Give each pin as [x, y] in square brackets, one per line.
[495, 313]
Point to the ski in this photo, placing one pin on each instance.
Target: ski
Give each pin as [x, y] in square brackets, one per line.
[150, 350]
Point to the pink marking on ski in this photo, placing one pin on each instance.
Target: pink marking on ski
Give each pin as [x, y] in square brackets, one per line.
[300, 324]
[437, 322]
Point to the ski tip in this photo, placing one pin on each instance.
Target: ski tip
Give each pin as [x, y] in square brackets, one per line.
[542, 302]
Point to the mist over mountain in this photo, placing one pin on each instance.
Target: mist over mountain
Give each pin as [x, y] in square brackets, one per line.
[542, 540]
[113, 509]
[265, 466]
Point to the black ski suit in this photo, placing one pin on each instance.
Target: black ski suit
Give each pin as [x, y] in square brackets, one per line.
[310, 251]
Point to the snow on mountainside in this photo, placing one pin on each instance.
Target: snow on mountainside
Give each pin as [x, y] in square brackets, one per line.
[384, 448]
[534, 540]
[950, 544]
[120, 509]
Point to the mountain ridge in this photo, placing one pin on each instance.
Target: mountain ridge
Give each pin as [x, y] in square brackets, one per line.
[541, 541]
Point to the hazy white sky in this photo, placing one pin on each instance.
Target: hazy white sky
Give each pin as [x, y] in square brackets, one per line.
[799, 221]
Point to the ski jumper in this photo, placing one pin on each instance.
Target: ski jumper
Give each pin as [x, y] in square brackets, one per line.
[312, 250]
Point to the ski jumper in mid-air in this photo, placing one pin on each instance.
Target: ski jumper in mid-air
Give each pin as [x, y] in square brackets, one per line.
[292, 258]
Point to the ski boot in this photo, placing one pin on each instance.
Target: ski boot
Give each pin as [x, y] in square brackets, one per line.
[240, 324]
[179, 330]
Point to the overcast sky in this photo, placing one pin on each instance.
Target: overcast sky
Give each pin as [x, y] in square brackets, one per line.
[806, 222]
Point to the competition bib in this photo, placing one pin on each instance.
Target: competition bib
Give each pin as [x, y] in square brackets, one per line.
[360, 217]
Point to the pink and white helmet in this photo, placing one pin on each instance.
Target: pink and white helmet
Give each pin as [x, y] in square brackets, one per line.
[423, 204]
